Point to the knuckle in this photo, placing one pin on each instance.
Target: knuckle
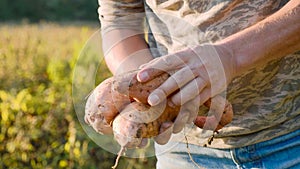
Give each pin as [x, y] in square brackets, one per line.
[161, 92]
[200, 81]
[178, 78]
[167, 61]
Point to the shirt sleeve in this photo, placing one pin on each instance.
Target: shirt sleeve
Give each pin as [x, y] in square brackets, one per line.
[124, 14]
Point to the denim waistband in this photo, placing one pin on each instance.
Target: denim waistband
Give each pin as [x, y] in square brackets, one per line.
[278, 153]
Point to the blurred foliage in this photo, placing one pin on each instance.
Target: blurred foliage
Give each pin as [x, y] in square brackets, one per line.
[36, 10]
[39, 128]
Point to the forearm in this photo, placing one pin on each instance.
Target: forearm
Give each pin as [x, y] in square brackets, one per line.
[125, 50]
[271, 38]
[122, 34]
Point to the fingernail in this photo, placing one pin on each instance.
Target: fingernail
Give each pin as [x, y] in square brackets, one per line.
[143, 76]
[153, 99]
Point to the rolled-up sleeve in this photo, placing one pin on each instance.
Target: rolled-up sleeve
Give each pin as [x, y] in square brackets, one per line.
[116, 14]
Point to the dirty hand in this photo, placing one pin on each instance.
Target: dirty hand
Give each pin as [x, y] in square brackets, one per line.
[197, 74]
[204, 70]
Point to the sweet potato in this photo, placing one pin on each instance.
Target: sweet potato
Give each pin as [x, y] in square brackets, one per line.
[139, 121]
[132, 124]
[103, 105]
[221, 119]
[129, 85]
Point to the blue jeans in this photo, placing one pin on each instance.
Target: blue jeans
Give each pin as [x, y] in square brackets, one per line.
[281, 152]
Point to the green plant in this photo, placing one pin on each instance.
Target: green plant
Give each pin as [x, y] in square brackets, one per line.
[39, 128]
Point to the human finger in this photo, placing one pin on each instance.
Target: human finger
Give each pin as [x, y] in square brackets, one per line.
[173, 83]
[165, 133]
[190, 91]
[188, 113]
[180, 121]
[145, 64]
[217, 105]
[143, 143]
[195, 103]
[204, 95]
[216, 113]
[157, 67]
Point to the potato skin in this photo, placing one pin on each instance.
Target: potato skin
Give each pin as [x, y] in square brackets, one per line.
[129, 85]
[138, 121]
[103, 105]
[208, 122]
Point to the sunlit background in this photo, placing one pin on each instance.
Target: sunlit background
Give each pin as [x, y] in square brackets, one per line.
[40, 42]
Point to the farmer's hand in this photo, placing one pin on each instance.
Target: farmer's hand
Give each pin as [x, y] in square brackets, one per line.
[197, 74]
[204, 70]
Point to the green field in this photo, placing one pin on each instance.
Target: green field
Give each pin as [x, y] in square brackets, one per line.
[39, 127]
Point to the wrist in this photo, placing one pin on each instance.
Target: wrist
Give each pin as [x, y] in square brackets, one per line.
[131, 62]
[125, 51]
[228, 59]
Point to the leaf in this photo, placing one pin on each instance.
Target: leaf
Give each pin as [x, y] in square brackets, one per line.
[10, 147]
[63, 163]
[4, 111]
[3, 95]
